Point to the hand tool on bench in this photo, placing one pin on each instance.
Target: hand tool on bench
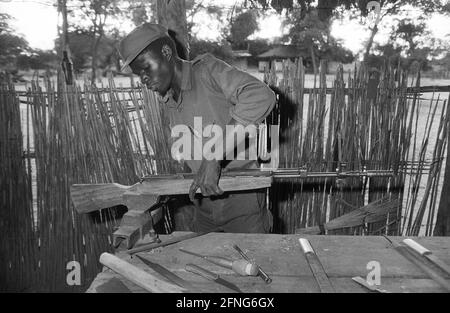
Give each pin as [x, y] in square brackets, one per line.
[404, 251]
[427, 254]
[316, 267]
[167, 274]
[211, 276]
[171, 241]
[241, 267]
[261, 273]
[365, 284]
[138, 276]
[141, 198]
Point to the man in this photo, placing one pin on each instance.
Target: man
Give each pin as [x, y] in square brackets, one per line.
[221, 95]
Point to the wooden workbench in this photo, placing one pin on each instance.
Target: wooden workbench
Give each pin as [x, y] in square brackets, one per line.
[281, 256]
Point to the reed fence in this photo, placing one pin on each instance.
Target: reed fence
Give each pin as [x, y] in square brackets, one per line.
[350, 129]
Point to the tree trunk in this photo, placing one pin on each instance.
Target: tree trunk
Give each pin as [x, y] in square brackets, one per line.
[94, 59]
[313, 58]
[172, 14]
[370, 42]
[66, 62]
[442, 227]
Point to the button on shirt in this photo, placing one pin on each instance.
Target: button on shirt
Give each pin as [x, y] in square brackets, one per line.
[217, 92]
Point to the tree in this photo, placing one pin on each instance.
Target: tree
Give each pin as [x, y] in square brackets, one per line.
[241, 27]
[393, 7]
[80, 44]
[328, 8]
[410, 46]
[221, 50]
[409, 31]
[310, 31]
[172, 15]
[11, 44]
[142, 11]
[195, 7]
[96, 13]
[37, 60]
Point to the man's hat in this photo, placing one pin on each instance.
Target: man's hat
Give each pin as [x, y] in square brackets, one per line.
[136, 41]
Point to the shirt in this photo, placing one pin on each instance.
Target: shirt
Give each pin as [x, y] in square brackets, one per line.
[217, 92]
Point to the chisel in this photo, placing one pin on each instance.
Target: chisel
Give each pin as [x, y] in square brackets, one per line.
[260, 273]
[167, 274]
[410, 256]
[211, 276]
[316, 267]
[427, 254]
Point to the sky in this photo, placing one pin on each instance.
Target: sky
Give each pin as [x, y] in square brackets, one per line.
[36, 20]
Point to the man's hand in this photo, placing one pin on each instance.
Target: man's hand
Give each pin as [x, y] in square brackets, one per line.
[207, 179]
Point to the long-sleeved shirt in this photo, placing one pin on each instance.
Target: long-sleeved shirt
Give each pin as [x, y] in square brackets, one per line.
[217, 92]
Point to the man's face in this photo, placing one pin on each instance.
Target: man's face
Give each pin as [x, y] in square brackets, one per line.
[154, 70]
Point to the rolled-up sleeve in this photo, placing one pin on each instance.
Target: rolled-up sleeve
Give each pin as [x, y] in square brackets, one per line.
[253, 100]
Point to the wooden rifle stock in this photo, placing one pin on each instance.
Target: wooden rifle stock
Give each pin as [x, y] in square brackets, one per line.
[92, 197]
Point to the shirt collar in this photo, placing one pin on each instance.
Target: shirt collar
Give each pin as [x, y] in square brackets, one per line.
[186, 83]
[186, 75]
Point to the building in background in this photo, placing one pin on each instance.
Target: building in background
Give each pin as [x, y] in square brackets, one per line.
[278, 54]
[240, 59]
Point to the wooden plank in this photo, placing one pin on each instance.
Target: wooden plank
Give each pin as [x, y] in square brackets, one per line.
[349, 256]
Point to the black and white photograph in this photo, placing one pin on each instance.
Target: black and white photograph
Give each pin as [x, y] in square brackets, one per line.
[228, 154]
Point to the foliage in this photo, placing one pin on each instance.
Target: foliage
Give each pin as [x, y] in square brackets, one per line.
[220, 50]
[80, 45]
[410, 45]
[195, 7]
[11, 44]
[95, 13]
[325, 7]
[312, 32]
[242, 26]
[37, 60]
[258, 46]
[141, 11]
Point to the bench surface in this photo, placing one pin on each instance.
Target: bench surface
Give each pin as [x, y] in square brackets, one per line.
[281, 256]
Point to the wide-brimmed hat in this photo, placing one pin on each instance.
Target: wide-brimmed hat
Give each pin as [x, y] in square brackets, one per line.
[136, 41]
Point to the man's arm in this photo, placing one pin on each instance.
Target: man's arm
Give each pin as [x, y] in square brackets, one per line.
[252, 101]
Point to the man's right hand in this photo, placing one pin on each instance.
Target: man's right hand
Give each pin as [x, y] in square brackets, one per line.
[207, 179]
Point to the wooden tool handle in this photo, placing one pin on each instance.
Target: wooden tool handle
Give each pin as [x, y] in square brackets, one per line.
[245, 268]
[201, 271]
[416, 247]
[138, 276]
[306, 246]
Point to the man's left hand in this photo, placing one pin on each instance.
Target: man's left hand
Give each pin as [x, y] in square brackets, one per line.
[207, 179]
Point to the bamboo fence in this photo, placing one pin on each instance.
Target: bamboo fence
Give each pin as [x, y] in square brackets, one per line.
[348, 129]
[103, 134]
[80, 136]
